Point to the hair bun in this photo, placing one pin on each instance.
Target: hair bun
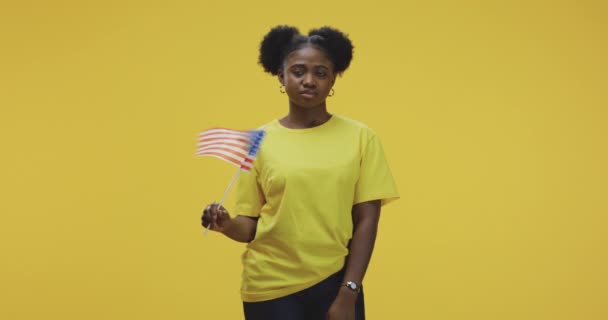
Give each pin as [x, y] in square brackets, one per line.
[338, 45]
[273, 46]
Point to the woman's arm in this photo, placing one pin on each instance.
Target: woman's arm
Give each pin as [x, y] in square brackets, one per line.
[241, 228]
[365, 225]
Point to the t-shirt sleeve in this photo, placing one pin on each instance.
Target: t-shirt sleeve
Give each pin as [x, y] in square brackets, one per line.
[249, 195]
[375, 178]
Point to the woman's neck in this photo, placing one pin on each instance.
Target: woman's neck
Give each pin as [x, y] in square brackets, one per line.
[300, 118]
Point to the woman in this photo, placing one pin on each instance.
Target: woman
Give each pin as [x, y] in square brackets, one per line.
[309, 208]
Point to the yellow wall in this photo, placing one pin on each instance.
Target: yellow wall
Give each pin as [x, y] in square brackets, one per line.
[493, 115]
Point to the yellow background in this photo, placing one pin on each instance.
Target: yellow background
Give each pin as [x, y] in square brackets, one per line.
[493, 115]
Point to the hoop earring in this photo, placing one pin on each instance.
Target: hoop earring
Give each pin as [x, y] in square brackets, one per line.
[281, 89]
[331, 93]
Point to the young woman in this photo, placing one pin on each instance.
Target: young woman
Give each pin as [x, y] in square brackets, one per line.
[309, 208]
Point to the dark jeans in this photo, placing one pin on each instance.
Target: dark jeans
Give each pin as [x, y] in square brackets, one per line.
[308, 304]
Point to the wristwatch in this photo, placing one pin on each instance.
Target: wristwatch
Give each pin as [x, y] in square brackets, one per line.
[352, 286]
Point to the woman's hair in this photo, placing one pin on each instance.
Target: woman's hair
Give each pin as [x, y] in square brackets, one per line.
[280, 41]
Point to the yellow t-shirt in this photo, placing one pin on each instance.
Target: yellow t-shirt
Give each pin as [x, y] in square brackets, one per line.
[302, 187]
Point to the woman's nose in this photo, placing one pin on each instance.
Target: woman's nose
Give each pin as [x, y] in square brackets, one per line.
[308, 80]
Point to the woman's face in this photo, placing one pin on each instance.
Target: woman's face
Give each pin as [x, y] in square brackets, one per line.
[307, 76]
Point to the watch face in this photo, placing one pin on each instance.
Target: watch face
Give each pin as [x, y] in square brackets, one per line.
[352, 285]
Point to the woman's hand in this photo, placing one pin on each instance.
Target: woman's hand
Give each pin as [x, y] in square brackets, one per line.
[343, 308]
[216, 216]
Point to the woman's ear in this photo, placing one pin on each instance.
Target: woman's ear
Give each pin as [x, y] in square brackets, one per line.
[280, 75]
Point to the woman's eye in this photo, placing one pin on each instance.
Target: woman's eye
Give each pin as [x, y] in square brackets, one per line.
[298, 73]
[321, 74]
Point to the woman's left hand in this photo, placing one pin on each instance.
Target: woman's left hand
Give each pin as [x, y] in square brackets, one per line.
[343, 308]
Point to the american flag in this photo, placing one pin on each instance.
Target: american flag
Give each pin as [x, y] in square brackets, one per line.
[237, 147]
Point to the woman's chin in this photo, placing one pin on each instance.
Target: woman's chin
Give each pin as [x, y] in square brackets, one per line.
[308, 103]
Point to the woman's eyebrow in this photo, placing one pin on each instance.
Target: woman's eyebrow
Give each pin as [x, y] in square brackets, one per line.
[304, 65]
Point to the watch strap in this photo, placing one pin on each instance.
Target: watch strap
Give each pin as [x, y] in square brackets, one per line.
[353, 286]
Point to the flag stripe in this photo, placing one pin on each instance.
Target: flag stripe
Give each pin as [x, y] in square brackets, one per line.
[222, 157]
[224, 145]
[222, 130]
[237, 153]
[231, 155]
[226, 133]
[232, 134]
[237, 158]
[217, 137]
[240, 145]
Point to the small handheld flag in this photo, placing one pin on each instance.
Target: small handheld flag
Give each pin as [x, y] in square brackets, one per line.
[239, 148]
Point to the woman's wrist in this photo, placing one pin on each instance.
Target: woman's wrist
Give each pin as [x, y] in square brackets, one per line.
[347, 295]
[226, 226]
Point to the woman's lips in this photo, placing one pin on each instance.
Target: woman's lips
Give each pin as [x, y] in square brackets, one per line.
[308, 94]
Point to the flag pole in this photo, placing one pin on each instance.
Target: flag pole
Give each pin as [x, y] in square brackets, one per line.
[238, 172]
[230, 185]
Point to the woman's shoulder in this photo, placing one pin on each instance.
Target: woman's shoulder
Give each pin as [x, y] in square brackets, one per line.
[268, 125]
[352, 124]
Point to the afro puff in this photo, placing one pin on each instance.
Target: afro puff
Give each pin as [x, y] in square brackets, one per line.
[280, 41]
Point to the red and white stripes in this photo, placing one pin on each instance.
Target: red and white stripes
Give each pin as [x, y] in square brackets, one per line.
[229, 145]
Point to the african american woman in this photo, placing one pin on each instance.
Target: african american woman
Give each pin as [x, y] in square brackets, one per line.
[309, 208]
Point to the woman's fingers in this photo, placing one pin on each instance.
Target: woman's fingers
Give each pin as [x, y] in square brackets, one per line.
[204, 217]
[208, 216]
[224, 214]
[214, 215]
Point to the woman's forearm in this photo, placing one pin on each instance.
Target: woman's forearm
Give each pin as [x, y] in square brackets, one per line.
[241, 228]
[365, 219]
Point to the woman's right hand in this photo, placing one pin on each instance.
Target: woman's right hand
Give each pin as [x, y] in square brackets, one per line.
[216, 216]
